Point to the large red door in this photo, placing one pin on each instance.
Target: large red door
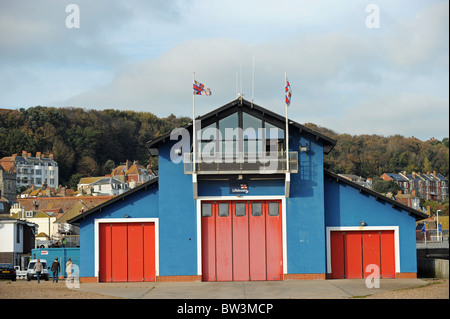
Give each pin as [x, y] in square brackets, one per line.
[241, 260]
[241, 241]
[353, 251]
[274, 249]
[126, 252]
[224, 249]
[257, 241]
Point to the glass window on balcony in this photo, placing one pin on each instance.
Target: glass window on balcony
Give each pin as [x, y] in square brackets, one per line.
[229, 135]
[231, 122]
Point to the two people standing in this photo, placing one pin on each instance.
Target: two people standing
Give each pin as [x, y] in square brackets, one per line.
[55, 269]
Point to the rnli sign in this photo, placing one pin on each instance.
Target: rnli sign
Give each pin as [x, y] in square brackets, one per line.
[239, 188]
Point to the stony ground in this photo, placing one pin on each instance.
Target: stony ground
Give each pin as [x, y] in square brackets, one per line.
[436, 289]
[22, 289]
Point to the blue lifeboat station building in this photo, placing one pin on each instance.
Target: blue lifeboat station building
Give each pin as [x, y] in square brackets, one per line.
[254, 203]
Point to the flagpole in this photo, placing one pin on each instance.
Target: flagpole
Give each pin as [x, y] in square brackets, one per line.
[193, 126]
[287, 128]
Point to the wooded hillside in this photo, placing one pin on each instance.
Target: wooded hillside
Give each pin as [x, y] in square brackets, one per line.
[90, 142]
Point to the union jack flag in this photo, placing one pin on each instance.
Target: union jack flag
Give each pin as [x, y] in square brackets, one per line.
[288, 92]
[199, 89]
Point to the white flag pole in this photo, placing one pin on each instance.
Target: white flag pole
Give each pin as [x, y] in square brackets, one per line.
[194, 142]
[287, 127]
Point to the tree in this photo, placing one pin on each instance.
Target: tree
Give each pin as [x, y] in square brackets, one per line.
[383, 187]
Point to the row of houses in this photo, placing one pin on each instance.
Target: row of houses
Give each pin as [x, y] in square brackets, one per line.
[38, 216]
[429, 186]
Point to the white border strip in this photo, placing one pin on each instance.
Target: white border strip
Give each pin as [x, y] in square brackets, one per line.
[241, 198]
[124, 220]
[365, 228]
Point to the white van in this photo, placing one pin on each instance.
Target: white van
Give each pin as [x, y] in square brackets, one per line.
[31, 273]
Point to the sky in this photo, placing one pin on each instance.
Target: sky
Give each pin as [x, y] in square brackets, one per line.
[356, 67]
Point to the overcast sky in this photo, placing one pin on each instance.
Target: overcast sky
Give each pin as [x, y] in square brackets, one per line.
[348, 72]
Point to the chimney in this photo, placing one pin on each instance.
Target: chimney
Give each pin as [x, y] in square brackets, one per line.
[414, 174]
[38, 155]
[50, 156]
[24, 154]
[127, 165]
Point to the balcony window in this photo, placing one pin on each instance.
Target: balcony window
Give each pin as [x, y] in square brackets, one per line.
[240, 143]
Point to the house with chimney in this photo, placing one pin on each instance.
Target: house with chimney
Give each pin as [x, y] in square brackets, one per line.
[133, 173]
[429, 186]
[32, 171]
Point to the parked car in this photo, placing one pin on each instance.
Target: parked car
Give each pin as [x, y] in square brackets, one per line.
[31, 273]
[7, 271]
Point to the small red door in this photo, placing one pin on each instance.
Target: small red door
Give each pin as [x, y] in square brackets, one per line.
[387, 255]
[105, 252]
[371, 251]
[353, 251]
[208, 241]
[126, 252]
[149, 252]
[119, 259]
[353, 255]
[337, 255]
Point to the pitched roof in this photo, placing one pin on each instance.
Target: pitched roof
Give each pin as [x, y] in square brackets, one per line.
[417, 214]
[113, 200]
[328, 142]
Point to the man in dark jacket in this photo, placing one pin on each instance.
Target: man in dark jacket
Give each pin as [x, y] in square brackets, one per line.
[56, 268]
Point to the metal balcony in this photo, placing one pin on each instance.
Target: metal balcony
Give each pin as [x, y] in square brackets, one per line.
[241, 163]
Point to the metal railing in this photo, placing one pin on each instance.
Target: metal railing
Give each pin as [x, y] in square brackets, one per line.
[241, 163]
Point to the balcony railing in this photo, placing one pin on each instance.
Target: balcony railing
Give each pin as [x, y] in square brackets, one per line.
[241, 163]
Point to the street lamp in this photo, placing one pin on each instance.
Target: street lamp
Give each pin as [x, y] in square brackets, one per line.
[437, 224]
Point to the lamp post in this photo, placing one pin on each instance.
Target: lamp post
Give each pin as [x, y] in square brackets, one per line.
[437, 224]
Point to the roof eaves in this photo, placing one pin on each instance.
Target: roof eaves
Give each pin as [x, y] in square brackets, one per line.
[329, 143]
[418, 215]
[112, 200]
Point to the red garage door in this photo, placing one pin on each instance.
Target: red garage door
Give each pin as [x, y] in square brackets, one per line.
[353, 251]
[126, 252]
[241, 240]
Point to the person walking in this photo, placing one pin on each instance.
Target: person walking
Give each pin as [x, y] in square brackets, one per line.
[38, 268]
[56, 268]
[69, 265]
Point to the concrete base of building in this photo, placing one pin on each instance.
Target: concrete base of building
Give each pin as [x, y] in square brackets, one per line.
[179, 278]
[304, 276]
